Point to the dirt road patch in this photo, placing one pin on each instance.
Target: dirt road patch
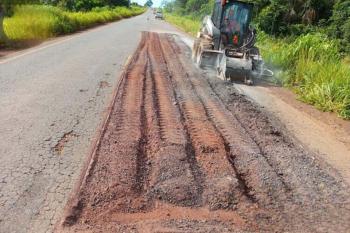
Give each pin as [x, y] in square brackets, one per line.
[182, 153]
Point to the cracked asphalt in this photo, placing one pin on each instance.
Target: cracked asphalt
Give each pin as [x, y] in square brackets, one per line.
[52, 99]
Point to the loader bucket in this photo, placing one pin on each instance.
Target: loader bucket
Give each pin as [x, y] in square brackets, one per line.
[209, 58]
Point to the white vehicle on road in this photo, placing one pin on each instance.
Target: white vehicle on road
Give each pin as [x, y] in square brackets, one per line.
[159, 15]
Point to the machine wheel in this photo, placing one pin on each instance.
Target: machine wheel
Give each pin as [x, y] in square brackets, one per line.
[223, 74]
[248, 80]
[195, 49]
[221, 70]
[199, 57]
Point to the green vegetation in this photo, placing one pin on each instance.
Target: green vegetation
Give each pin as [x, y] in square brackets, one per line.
[307, 43]
[40, 21]
[311, 66]
[188, 24]
[82, 5]
[193, 8]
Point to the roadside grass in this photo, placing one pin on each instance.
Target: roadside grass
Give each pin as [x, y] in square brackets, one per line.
[32, 22]
[186, 23]
[310, 65]
[325, 84]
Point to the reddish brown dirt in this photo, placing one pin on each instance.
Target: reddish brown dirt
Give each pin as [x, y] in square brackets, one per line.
[182, 153]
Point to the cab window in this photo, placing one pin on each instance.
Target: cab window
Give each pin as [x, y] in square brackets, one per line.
[236, 19]
[216, 17]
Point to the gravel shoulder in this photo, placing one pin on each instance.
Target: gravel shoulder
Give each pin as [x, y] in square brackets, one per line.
[324, 133]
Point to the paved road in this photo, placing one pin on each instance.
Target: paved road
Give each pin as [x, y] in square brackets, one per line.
[52, 98]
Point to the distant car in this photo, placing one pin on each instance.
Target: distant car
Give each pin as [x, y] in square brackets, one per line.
[159, 15]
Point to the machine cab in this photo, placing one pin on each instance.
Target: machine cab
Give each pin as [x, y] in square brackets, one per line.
[232, 18]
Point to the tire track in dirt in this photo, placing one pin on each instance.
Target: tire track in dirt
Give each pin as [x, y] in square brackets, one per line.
[241, 149]
[283, 166]
[173, 178]
[174, 157]
[222, 188]
[145, 158]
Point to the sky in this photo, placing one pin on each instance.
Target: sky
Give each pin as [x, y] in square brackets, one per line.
[156, 3]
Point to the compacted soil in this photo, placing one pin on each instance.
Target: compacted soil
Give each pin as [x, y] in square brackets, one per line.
[183, 152]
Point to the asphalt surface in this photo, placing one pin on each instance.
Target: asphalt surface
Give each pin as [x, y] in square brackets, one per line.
[52, 99]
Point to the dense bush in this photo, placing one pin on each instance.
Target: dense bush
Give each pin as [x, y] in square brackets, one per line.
[270, 19]
[278, 17]
[85, 5]
[340, 23]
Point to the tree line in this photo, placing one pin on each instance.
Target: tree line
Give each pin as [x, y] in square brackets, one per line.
[73, 5]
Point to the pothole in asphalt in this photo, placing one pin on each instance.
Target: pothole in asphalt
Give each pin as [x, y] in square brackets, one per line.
[104, 84]
[59, 147]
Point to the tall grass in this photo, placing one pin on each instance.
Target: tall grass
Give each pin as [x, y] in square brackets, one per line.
[186, 23]
[40, 22]
[313, 68]
[325, 84]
